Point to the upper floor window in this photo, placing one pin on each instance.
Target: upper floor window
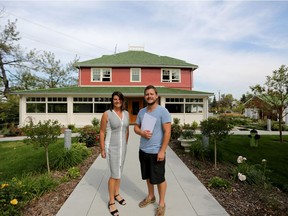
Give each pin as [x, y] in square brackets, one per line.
[135, 74]
[170, 75]
[101, 75]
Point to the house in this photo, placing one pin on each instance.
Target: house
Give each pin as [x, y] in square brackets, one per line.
[128, 72]
[257, 108]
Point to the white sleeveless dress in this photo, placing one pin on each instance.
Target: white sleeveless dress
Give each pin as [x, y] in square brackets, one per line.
[115, 142]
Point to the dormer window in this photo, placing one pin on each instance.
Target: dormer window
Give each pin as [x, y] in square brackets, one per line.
[170, 75]
[101, 75]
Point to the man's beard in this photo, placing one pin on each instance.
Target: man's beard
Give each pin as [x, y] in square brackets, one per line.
[152, 103]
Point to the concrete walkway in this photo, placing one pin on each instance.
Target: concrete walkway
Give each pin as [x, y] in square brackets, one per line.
[186, 196]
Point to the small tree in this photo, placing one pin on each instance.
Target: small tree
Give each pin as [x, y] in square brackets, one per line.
[42, 135]
[275, 92]
[216, 129]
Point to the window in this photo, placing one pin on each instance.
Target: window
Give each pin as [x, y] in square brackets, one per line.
[170, 75]
[57, 108]
[36, 108]
[82, 108]
[135, 74]
[36, 105]
[57, 105]
[101, 75]
[192, 105]
[193, 108]
[175, 108]
[82, 99]
[100, 108]
[101, 104]
[82, 105]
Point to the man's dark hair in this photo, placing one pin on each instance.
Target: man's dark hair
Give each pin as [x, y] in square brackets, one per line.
[150, 87]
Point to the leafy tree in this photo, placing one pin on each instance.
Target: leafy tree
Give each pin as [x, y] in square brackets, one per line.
[24, 70]
[9, 110]
[245, 97]
[10, 54]
[216, 129]
[275, 92]
[42, 135]
[213, 105]
[51, 73]
[226, 102]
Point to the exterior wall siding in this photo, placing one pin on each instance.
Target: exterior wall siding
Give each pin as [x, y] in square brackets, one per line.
[149, 76]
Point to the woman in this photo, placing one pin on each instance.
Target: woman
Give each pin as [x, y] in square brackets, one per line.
[114, 132]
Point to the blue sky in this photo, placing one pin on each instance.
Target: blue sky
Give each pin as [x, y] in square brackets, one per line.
[236, 44]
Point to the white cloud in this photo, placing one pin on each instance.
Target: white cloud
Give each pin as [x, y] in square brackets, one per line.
[236, 44]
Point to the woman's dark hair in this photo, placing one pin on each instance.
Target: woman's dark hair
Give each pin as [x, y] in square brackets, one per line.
[121, 97]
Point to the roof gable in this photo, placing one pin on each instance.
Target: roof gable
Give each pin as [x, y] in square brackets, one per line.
[135, 59]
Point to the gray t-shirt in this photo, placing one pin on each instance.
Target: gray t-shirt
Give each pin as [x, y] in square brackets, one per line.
[153, 145]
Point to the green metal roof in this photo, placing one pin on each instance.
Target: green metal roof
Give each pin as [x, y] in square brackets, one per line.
[135, 59]
[127, 91]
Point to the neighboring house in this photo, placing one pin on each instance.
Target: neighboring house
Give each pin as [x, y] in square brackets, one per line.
[128, 72]
[257, 108]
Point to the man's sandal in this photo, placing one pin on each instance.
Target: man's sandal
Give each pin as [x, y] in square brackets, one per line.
[160, 211]
[146, 202]
[115, 212]
[121, 202]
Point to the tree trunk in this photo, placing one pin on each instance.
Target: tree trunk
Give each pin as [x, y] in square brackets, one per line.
[215, 155]
[47, 160]
[280, 125]
[4, 78]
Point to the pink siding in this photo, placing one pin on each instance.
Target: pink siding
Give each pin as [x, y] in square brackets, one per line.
[149, 76]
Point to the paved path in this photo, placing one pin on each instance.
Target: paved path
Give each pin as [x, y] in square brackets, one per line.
[186, 196]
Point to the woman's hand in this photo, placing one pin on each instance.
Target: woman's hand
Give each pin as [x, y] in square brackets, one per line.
[103, 153]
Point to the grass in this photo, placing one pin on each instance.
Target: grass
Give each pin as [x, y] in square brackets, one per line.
[18, 158]
[269, 148]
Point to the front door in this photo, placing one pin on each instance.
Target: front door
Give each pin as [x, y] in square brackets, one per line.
[134, 105]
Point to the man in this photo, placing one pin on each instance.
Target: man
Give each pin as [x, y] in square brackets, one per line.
[153, 124]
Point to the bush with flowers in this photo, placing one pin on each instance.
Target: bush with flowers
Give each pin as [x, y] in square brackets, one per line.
[15, 194]
[251, 174]
[12, 198]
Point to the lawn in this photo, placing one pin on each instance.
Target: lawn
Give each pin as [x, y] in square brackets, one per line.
[18, 158]
[269, 148]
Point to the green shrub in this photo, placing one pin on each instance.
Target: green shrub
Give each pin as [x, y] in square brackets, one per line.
[14, 194]
[12, 198]
[71, 157]
[72, 128]
[73, 172]
[95, 122]
[175, 129]
[37, 185]
[89, 135]
[217, 182]
[11, 130]
[198, 150]
[255, 174]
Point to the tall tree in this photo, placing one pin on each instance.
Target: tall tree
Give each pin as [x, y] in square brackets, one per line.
[51, 73]
[10, 54]
[275, 92]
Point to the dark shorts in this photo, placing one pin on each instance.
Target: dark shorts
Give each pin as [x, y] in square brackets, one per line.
[151, 168]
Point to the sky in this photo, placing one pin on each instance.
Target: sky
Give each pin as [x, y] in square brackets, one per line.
[235, 44]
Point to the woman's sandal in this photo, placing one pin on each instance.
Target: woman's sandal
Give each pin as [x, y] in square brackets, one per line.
[121, 202]
[115, 212]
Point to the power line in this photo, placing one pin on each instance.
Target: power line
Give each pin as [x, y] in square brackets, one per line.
[58, 32]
